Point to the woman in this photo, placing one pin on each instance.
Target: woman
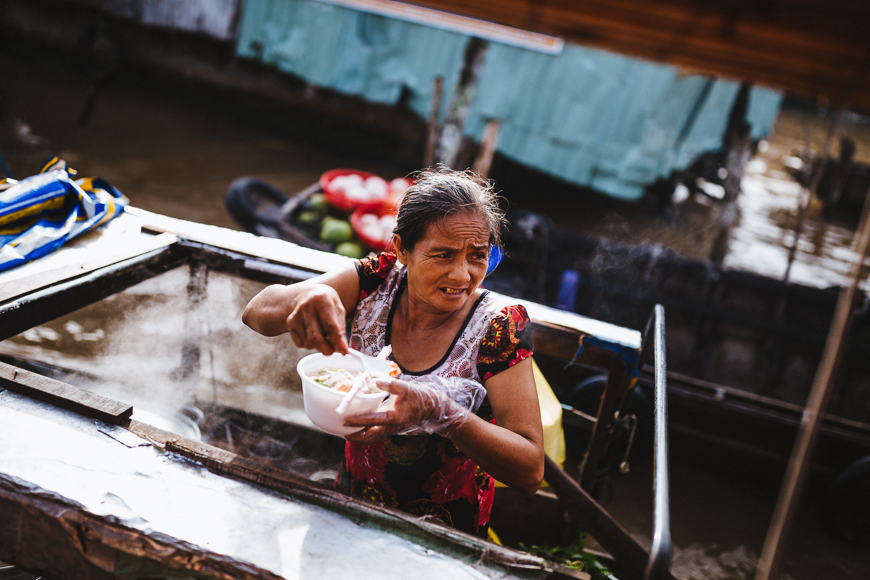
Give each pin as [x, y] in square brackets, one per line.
[449, 338]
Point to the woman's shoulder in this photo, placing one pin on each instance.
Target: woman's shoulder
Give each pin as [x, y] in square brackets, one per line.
[374, 271]
[497, 309]
[507, 339]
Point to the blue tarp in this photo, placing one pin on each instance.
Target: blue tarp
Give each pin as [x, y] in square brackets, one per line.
[586, 116]
[39, 214]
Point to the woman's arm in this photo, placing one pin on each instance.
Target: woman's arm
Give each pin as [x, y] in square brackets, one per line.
[313, 311]
[512, 449]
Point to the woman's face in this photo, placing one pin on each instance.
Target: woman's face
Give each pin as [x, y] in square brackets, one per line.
[448, 263]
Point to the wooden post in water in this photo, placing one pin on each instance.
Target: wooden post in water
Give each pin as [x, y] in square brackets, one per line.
[739, 143]
[798, 465]
[483, 162]
[432, 125]
[459, 106]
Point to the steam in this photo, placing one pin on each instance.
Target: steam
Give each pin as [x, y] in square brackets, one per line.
[164, 348]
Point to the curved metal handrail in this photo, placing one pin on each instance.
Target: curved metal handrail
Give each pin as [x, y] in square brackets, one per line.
[659, 563]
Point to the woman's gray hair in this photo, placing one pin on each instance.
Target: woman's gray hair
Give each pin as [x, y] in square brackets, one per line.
[440, 192]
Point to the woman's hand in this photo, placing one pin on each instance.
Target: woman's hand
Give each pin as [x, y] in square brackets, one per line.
[415, 409]
[318, 320]
[313, 312]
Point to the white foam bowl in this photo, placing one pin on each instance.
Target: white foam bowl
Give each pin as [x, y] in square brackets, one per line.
[320, 402]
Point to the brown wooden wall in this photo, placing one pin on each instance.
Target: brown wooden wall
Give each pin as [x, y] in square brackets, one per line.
[814, 47]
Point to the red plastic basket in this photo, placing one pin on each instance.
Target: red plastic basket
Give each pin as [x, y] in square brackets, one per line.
[380, 210]
[337, 198]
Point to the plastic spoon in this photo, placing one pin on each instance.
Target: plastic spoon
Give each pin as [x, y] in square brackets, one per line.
[372, 367]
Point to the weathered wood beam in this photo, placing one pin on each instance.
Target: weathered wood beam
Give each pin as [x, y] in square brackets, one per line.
[65, 396]
[813, 47]
[631, 556]
[61, 540]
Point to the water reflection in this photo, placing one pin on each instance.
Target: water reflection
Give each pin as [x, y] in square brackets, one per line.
[769, 209]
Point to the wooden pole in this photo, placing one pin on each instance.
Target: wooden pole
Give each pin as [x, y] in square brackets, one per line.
[738, 157]
[459, 106]
[432, 127]
[483, 162]
[786, 506]
[738, 140]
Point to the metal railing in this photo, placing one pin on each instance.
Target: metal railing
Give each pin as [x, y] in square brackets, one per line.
[659, 563]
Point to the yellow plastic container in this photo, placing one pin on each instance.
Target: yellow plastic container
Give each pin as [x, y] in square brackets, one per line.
[551, 417]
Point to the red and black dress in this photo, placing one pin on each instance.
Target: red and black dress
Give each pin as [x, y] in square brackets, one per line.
[428, 475]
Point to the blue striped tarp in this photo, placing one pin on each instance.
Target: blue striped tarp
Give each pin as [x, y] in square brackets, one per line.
[39, 214]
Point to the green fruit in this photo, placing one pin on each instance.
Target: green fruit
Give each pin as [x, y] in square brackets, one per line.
[318, 202]
[351, 250]
[307, 217]
[335, 231]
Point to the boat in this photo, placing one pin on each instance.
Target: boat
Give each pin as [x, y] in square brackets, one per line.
[744, 346]
[94, 489]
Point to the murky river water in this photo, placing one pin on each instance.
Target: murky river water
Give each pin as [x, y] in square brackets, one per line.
[175, 152]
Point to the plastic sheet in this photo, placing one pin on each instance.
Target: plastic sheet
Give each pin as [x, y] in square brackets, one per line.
[42, 212]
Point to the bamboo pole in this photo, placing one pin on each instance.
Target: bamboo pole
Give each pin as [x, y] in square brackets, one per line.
[786, 506]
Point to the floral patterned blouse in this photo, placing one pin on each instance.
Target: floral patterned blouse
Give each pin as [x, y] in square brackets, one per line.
[427, 475]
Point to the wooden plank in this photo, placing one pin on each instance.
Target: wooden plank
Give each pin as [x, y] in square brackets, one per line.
[60, 539]
[271, 249]
[18, 285]
[631, 556]
[483, 162]
[456, 23]
[614, 391]
[289, 254]
[812, 47]
[63, 395]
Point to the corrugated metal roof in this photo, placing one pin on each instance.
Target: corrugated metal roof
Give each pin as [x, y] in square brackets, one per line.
[586, 116]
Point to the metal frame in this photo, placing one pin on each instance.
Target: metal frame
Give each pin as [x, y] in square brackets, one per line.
[659, 563]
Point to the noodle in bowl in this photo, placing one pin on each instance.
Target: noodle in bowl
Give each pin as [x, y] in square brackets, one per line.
[320, 401]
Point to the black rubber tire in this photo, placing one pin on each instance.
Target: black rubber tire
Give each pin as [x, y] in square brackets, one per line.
[253, 204]
[586, 397]
[846, 507]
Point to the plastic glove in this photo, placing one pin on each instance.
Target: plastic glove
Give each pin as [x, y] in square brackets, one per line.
[413, 409]
[466, 392]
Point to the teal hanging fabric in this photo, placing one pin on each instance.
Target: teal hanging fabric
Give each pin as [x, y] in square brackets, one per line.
[39, 214]
[592, 118]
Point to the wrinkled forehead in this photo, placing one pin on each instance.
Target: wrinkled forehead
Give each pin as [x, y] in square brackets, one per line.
[460, 228]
